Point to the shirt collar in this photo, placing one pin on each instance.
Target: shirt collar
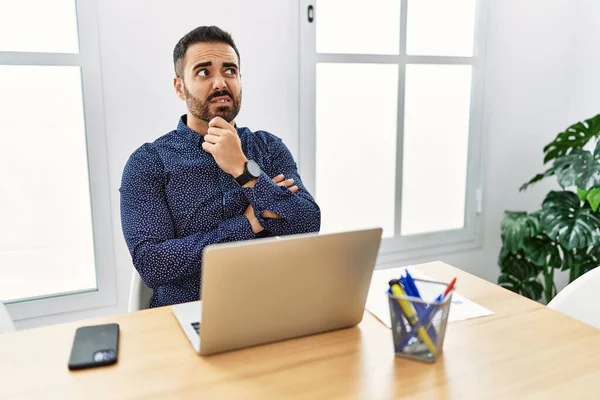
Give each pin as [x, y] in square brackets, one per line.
[186, 132]
[192, 135]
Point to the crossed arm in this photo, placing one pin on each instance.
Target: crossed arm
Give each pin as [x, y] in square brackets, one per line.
[281, 205]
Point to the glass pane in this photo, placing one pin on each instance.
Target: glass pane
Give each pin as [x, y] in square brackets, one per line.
[440, 27]
[46, 244]
[436, 136]
[357, 27]
[356, 146]
[38, 26]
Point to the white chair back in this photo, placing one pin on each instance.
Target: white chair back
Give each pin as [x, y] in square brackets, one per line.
[6, 322]
[139, 294]
[579, 299]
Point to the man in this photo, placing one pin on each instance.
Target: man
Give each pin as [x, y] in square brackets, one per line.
[209, 181]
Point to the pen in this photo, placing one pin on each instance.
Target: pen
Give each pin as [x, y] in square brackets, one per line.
[412, 284]
[396, 308]
[448, 289]
[410, 315]
[410, 287]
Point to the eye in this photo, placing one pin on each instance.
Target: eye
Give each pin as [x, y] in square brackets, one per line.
[203, 72]
[230, 71]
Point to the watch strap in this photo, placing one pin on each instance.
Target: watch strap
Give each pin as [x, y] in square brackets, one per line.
[244, 178]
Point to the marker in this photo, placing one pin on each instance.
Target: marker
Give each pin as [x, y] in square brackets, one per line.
[410, 287]
[410, 315]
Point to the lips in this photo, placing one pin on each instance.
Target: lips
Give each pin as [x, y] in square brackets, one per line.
[221, 100]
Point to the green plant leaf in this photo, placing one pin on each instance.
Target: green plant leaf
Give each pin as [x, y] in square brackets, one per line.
[580, 168]
[564, 220]
[568, 259]
[580, 261]
[549, 286]
[575, 137]
[542, 251]
[594, 253]
[593, 197]
[587, 265]
[518, 226]
[582, 194]
[537, 178]
[519, 275]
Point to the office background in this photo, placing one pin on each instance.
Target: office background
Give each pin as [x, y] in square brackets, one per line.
[541, 76]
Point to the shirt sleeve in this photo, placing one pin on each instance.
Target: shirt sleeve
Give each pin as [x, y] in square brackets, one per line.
[158, 255]
[299, 211]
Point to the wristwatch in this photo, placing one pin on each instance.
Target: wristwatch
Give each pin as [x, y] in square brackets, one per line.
[251, 171]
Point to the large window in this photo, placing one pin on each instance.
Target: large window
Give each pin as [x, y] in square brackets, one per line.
[55, 234]
[391, 119]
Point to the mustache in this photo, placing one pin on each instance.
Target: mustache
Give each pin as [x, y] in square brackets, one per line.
[219, 94]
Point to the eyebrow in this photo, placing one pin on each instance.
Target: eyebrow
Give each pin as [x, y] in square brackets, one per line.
[202, 65]
[209, 63]
[230, 65]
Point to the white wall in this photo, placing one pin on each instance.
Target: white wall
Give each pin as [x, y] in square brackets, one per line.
[585, 88]
[532, 93]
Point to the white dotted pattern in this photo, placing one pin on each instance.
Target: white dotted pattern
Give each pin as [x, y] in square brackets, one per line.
[175, 200]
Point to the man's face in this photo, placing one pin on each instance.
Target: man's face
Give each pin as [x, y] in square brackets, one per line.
[211, 85]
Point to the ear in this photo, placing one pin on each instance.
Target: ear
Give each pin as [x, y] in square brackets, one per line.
[178, 85]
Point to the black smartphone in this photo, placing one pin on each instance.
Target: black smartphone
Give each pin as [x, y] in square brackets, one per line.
[95, 346]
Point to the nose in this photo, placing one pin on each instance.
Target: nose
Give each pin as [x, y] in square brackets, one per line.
[219, 82]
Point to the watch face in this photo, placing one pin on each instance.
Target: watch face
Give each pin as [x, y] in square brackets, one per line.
[253, 168]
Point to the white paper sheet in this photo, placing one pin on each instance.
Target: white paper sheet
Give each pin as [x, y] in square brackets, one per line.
[377, 302]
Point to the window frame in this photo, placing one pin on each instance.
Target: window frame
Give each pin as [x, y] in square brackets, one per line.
[400, 248]
[88, 59]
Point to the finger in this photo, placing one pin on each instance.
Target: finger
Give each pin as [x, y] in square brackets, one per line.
[286, 183]
[217, 131]
[211, 138]
[278, 178]
[208, 147]
[219, 122]
[293, 189]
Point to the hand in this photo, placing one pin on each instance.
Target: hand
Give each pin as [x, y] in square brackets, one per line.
[256, 226]
[223, 143]
[249, 213]
[288, 183]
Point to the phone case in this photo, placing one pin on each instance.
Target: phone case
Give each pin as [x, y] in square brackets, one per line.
[95, 346]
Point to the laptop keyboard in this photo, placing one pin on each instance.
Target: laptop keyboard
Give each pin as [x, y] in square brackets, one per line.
[196, 326]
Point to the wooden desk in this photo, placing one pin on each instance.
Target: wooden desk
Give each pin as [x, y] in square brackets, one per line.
[523, 351]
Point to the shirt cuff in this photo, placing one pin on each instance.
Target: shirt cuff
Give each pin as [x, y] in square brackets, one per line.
[265, 194]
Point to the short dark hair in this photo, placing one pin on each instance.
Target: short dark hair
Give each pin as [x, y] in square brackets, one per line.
[202, 34]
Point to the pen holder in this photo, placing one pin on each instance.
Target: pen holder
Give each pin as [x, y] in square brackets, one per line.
[419, 326]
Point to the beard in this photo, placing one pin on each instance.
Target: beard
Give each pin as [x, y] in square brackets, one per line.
[201, 109]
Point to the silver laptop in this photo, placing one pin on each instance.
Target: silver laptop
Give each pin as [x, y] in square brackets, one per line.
[266, 290]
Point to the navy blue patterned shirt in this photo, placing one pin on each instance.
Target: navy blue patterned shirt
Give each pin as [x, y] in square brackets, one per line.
[175, 200]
